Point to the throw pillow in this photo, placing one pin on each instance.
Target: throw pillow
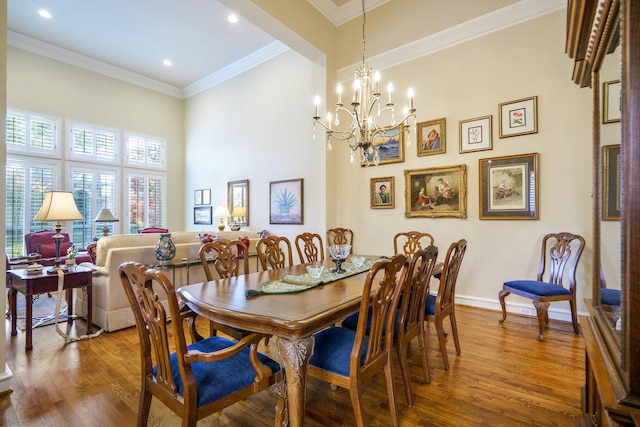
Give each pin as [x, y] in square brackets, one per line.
[48, 250]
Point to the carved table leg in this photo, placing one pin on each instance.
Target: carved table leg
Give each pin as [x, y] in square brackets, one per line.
[295, 354]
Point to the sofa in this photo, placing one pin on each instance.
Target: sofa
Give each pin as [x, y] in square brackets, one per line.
[111, 309]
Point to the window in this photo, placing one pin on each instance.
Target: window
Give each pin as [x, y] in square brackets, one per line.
[32, 134]
[92, 143]
[143, 151]
[26, 180]
[146, 200]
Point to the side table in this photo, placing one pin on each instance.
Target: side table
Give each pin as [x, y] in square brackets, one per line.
[34, 284]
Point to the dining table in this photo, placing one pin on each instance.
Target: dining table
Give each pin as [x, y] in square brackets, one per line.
[292, 317]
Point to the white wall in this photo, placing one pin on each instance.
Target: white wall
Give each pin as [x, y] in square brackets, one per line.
[257, 126]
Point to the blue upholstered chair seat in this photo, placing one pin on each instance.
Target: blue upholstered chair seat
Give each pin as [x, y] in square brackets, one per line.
[332, 349]
[610, 296]
[351, 322]
[217, 379]
[430, 306]
[533, 287]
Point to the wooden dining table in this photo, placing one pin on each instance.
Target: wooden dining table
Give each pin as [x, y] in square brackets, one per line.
[293, 317]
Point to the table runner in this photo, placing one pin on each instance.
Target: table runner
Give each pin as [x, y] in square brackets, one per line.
[297, 283]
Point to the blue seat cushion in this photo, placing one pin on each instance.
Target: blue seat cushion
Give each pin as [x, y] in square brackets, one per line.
[610, 296]
[430, 306]
[351, 322]
[332, 350]
[541, 289]
[217, 379]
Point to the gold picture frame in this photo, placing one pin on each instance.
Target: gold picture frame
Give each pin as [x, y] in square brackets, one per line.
[382, 191]
[431, 137]
[436, 192]
[611, 92]
[519, 117]
[238, 195]
[390, 147]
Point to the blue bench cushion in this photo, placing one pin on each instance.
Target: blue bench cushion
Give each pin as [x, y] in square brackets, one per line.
[332, 350]
[217, 379]
[542, 289]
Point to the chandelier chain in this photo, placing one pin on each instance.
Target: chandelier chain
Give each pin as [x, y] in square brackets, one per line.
[364, 23]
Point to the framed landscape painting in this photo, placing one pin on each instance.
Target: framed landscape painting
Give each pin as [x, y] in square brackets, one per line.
[286, 202]
[436, 192]
[509, 187]
[390, 148]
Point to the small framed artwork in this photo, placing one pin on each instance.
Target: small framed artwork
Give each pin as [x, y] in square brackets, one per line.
[197, 197]
[436, 192]
[611, 101]
[286, 202]
[519, 117]
[206, 196]
[509, 187]
[390, 147]
[202, 215]
[611, 183]
[383, 193]
[238, 196]
[431, 137]
[476, 134]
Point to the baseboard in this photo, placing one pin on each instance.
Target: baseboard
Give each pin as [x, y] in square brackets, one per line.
[516, 307]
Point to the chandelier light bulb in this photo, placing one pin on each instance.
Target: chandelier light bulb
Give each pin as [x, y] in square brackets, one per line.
[316, 101]
[329, 120]
[410, 95]
[339, 91]
[390, 90]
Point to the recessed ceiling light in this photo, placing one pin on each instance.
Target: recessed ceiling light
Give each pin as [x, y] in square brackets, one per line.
[44, 13]
[167, 62]
[232, 18]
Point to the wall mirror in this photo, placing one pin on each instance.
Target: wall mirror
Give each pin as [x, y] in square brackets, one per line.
[238, 197]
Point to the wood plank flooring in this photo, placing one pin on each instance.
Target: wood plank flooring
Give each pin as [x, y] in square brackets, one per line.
[504, 377]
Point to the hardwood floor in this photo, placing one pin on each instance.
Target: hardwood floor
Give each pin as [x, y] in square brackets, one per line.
[504, 377]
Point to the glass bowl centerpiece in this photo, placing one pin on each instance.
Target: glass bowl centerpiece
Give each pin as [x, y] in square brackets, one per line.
[338, 254]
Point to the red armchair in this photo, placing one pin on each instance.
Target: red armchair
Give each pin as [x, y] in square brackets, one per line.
[41, 243]
[152, 230]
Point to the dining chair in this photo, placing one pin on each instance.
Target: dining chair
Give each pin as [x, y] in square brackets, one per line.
[198, 379]
[347, 358]
[227, 264]
[340, 236]
[309, 247]
[558, 258]
[409, 242]
[442, 304]
[411, 320]
[274, 252]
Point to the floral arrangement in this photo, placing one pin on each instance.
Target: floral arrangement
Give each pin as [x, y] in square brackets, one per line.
[72, 252]
[206, 238]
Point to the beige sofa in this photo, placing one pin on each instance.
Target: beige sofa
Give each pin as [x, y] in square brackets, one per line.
[111, 309]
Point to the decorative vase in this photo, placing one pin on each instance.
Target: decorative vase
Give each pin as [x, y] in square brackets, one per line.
[246, 241]
[165, 248]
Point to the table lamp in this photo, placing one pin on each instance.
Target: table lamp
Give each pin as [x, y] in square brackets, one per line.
[106, 217]
[238, 212]
[221, 211]
[58, 206]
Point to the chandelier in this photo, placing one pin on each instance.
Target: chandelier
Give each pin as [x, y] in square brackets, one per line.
[366, 133]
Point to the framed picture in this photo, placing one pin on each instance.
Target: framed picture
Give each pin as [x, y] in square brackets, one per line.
[431, 137]
[383, 193]
[390, 147]
[611, 183]
[519, 117]
[509, 187]
[611, 101]
[476, 134]
[206, 196]
[202, 215]
[286, 202]
[436, 192]
[238, 195]
[197, 197]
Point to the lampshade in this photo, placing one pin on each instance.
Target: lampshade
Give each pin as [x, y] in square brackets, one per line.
[105, 215]
[58, 206]
[238, 211]
[221, 211]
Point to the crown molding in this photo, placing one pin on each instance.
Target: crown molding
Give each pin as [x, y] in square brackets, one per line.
[271, 50]
[338, 15]
[63, 55]
[500, 19]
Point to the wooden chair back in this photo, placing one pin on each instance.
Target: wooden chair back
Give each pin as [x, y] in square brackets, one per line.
[309, 247]
[274, 252]
[340, 236]
[558, 260]
[410, 242]
[225, 258]
[173, 379]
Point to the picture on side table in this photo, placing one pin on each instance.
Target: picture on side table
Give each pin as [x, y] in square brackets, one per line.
[509, 187]
[383, 193]
[286, 202]
[436, 192]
